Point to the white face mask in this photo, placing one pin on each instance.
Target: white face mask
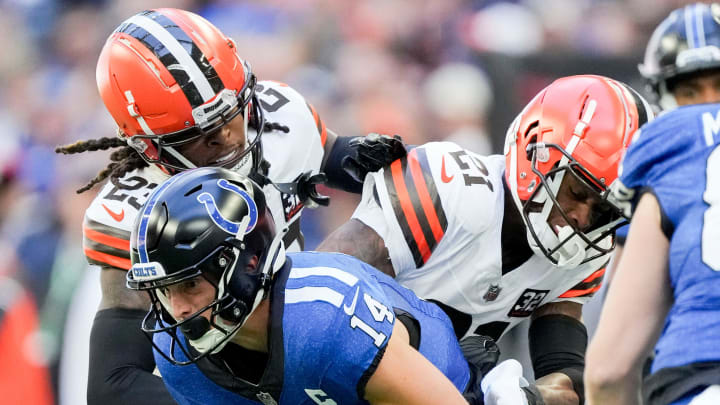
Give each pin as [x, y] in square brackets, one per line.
[244, 166]
[572, 249]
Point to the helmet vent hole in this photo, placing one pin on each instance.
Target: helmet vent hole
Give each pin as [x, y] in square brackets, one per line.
[584, 105]
[532, 139]
[194, 190]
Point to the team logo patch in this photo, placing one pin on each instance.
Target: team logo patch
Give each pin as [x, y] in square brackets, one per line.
[147, 271]
[528, 302]
[492, 292]
[291, 205]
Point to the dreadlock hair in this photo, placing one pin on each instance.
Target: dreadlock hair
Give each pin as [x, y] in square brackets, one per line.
[123, 160]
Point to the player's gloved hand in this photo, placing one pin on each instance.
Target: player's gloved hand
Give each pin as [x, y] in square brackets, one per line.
[482, 355]
[371, 153]
[503, 384]
[305, 187]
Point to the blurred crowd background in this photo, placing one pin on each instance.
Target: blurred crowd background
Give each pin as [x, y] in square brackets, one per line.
[455, 70]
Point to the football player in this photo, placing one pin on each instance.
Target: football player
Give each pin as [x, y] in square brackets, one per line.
[498, 239]
[234, 319]
[681, 66]
[183, 98]
[670, 270]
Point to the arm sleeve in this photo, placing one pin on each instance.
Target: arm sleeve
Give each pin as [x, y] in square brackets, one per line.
[337, 176]
[121, 362]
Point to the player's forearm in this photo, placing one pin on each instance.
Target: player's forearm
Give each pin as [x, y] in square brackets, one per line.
[623, 391]
[121, 358]
[121, 362]
[557, 389]
[357, 239]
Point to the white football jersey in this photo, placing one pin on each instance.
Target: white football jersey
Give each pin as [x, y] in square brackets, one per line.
[110, 217]
[440, 212]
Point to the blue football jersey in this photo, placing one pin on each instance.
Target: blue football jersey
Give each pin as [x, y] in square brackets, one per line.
[331, 317]
[676, 158]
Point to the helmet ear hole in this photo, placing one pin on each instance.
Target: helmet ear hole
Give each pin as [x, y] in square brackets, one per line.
[530, 149]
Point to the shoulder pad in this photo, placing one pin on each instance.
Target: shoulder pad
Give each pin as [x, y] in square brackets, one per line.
[299, 150]
[111, 215]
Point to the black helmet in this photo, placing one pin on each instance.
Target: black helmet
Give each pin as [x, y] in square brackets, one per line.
[208, 222]
[686, 42]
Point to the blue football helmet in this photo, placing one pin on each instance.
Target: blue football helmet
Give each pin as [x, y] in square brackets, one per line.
[211, 223]
[686, 42]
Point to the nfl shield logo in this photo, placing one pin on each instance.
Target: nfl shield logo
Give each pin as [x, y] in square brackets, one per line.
[492, 292]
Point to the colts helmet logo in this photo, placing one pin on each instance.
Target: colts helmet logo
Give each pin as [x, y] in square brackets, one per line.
[217, 217]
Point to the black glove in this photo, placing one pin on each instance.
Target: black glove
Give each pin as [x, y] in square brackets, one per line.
[482, 355]
[304, 186]
[371, 153]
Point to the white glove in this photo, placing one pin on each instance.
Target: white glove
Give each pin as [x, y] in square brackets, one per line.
[503, 384]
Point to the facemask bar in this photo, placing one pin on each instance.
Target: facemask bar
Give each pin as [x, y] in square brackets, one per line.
[229, 106]
[596, 234]
[156, 320]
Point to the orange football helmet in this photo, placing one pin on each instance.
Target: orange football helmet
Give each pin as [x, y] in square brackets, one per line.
[168, 77]
[580, 125]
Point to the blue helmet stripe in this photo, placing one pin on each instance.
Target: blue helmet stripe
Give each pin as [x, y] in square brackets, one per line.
[699, 27]
[145, 217]
[689, 35]
[223, 223]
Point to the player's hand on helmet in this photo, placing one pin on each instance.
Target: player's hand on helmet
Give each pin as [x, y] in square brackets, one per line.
[482, 355]
[503, 385]
[307, 189]
[371, 153]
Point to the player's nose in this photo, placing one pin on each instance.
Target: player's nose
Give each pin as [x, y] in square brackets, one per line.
[180, 306]
[580, 213]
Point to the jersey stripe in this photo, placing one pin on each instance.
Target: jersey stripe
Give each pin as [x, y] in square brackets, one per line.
[105, 245]
[429, 199]
[310, 294]
[108, 240]
[405, 213]
[104, 260]
[587, 287]
[318, 122]
[416, 204]
[337, 274]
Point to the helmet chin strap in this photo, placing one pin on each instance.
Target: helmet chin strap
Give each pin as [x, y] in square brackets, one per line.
[570, 246]
[215, 339]
[180, 158]
[245, 164]
[572, 252]
[201, 335]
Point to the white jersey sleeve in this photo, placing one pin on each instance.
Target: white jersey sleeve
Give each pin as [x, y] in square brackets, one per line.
[111, 215]
[301, 148]
[413, 203]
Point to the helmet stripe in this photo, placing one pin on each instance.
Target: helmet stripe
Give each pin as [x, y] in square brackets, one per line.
[688, 26]
[699, 21]
[178, 53]
[645, 111]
